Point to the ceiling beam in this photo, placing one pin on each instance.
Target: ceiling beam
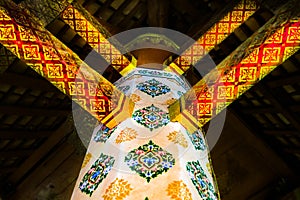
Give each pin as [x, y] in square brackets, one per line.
[227, 81]
[5, 170]
[11, 134]
[31, 111]
[289, 80]
[292, 150]
[198, 28]
[45, 170]
[266, 109]
[251, 135]
[278, 132]
[64, 69]
[214, 38]
[276, 103]
[46, 10]
[6, 58]
[130, 16]
[16, 153]
[27, 82]
[65, 129]
[158, 12]
[271, 5]
[254, 110]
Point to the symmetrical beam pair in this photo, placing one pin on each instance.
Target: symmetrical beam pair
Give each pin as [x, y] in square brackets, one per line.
[23, 35]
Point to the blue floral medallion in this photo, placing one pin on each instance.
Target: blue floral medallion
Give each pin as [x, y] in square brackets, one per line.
[103, 134]
[197, 140]
[151, 117]
[153, 88]
[149, 160]
[96, 174]
[200, 181]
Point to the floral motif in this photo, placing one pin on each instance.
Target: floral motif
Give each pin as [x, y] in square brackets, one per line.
[178, 190]
[178, 138]
[153, 88]
[151, 117]
[135, 98]
[197, 140]
[126, 135]
[118, 189]
[203, 185]
[103, 134]
[96, 174]
[149, 160]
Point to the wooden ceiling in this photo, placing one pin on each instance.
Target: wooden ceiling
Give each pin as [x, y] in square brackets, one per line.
[256, 157]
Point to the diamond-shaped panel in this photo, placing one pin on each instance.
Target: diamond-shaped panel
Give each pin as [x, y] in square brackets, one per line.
[153, 88]
[149, 160]
[204, 187]
[96, 174]
[151, 117]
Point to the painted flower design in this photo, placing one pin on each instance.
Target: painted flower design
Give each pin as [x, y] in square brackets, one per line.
[135, 98]
[118, 189]
[178, 190]
[96, 174]
[127, 134]
[151, 117]
[199, 178]
[153, 88]
[103, 134]
[197, 140]
[178, 138]
[149, 160]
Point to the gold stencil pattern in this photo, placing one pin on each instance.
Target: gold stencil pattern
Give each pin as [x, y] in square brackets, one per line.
[214, 36]
[127, 134]
[178, 138]
[178, 190]
[117, 190]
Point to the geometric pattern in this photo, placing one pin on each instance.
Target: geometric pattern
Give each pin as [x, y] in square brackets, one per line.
[151, 117]
[127, 134]
[214, 36]
[38, 8]
[178, 138]
[103, 134]
[153, 88]
[196, 139]
[200, 180]
[149, 160]
[118, 189]
[84, 25]
[96, 174]
[40, 50]
[243, 74]
[178, 190]
[262, 52]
